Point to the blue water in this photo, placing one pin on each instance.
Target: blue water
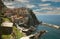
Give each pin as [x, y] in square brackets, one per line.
[52, 19]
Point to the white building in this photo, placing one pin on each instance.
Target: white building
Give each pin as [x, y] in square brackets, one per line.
[7, 24]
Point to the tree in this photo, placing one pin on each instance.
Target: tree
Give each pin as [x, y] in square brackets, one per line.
[2, 8]
[1, 5]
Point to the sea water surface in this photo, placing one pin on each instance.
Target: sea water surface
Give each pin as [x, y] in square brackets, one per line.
[52, 32]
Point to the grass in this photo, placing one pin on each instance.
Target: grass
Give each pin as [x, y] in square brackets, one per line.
[6, 36]
[6, 19]
[17, 33]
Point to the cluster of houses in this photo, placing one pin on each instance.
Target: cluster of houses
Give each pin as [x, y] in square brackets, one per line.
[15, 12]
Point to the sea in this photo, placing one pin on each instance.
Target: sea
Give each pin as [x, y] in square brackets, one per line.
[52, 32]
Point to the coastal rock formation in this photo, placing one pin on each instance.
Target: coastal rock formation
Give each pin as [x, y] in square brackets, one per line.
[29, 31]
[38, 34]
[22, 16]
[35, 36]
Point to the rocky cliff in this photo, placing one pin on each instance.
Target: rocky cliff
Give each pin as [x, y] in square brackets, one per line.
[16, 13]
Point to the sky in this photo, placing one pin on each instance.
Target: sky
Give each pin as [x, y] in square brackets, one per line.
[45, 7]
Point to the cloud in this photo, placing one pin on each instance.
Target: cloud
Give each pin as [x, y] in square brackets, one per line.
[54, 10]
[30, 6]
[44, 0]
[36, 10]
[11, 4]
[11, 7]
[51, 0]
[19, 3]
[6, 3]
[16, 0]
[22, 0]
[46, 8]
[45, 4]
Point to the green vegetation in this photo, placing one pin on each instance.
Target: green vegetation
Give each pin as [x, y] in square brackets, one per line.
[6, 19]
[15, 34]
[6, 36]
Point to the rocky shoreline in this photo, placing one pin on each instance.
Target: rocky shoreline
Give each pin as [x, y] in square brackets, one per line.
[28, 32]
